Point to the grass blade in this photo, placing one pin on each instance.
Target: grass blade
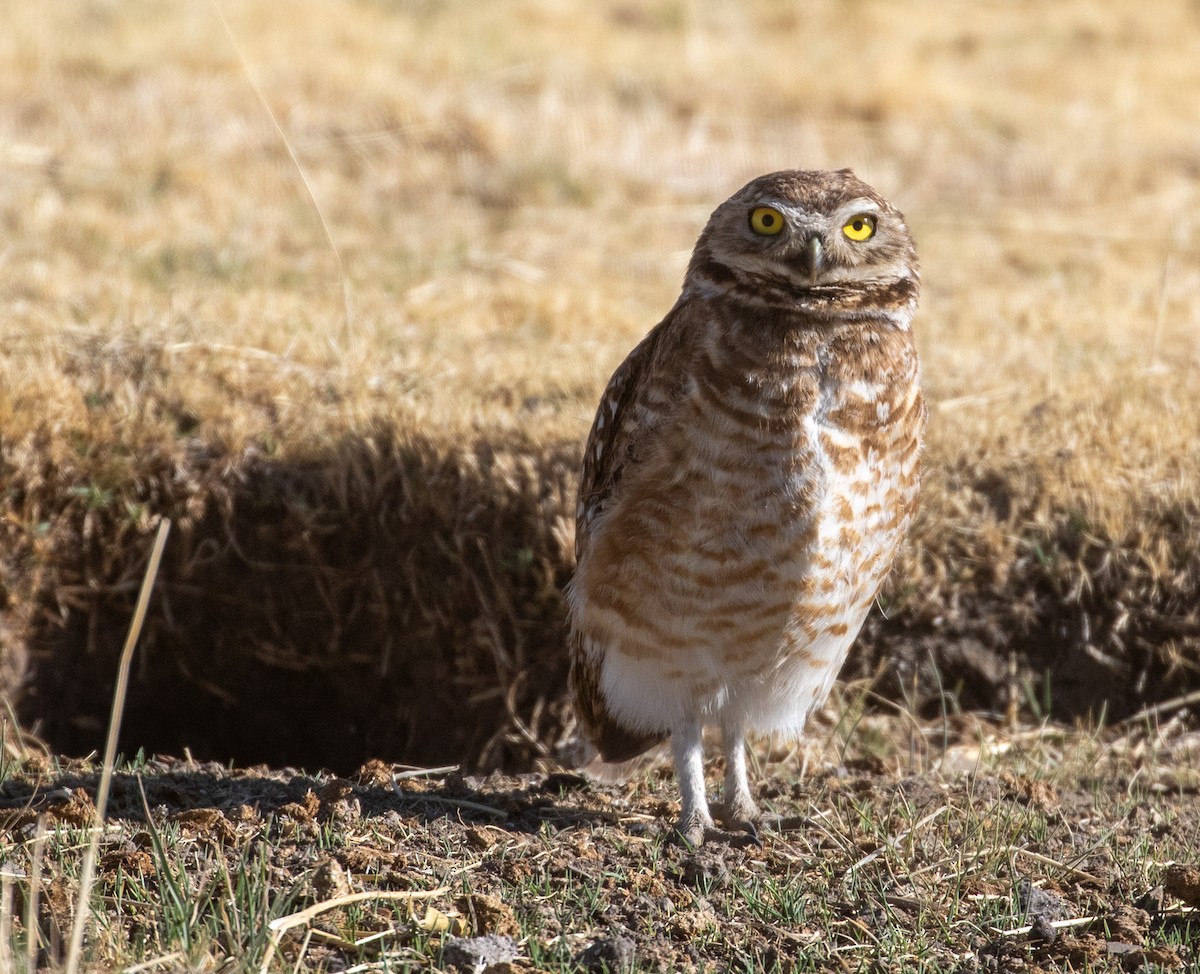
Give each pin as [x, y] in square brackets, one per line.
[82, 912]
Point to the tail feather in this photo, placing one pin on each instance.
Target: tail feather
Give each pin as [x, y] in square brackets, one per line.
[580, 754]
[613, 742]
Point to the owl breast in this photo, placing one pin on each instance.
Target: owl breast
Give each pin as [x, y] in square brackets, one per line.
[734, 567]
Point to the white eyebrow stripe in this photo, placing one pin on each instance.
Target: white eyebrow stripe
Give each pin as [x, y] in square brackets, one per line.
[860, 206]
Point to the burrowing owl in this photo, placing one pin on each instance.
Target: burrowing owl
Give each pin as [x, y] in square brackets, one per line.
[749, 475]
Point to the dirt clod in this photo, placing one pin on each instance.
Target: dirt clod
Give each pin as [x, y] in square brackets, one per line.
[374, 774]
[205, 823]
[1043, 929]
[1128, 923]
[480, 839]
[304, 811]
[1032, 791]
[329, 880]
[704, 869]
[1086, 951]
[1151, 957]
[489, 915]
[339, 803]
[127, 861]
[1183, 882]
[79, 810]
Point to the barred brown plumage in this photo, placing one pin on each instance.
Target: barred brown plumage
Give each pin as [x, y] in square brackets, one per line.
[751, 470]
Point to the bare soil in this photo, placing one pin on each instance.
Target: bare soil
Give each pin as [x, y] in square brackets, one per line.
[860, 866]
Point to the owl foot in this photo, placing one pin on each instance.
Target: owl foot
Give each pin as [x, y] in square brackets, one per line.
[691, 830]
[741, 815]
[692, 834]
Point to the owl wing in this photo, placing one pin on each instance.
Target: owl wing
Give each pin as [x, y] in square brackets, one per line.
[619, 426]
[616, 430]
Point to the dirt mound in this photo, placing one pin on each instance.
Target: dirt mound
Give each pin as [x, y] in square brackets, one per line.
[393, 596]
[388, 598]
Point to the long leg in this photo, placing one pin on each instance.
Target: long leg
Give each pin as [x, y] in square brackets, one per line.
[739, 811]
[688, 748]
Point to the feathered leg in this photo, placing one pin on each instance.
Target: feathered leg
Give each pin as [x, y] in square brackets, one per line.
[738, 812]
[695, 821]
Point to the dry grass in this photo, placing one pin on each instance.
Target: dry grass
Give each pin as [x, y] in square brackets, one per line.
[513, 189]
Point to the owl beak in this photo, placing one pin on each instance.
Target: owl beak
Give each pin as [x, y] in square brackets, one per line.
[812, 257]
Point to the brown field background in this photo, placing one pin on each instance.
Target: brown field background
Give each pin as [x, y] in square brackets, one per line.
[372, 509]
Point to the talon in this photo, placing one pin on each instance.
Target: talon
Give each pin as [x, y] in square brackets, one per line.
[751, 830]
[741, 819]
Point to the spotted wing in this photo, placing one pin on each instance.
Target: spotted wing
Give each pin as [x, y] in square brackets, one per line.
[620, 424]
[616, 430]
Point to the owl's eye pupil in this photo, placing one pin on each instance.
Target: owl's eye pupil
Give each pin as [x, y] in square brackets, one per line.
[858, 225]
[767, 220]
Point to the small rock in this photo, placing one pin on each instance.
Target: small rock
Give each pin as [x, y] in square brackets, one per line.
[1038, 902]
[608, 955]
[478, 954]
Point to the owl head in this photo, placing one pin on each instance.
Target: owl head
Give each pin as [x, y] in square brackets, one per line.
[803, 238]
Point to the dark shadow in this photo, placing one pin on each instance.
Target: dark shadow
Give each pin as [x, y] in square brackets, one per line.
[391, 598]
[521, 805]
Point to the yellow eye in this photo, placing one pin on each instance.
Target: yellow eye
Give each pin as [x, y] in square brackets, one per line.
[766, 220]
[861, 227]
